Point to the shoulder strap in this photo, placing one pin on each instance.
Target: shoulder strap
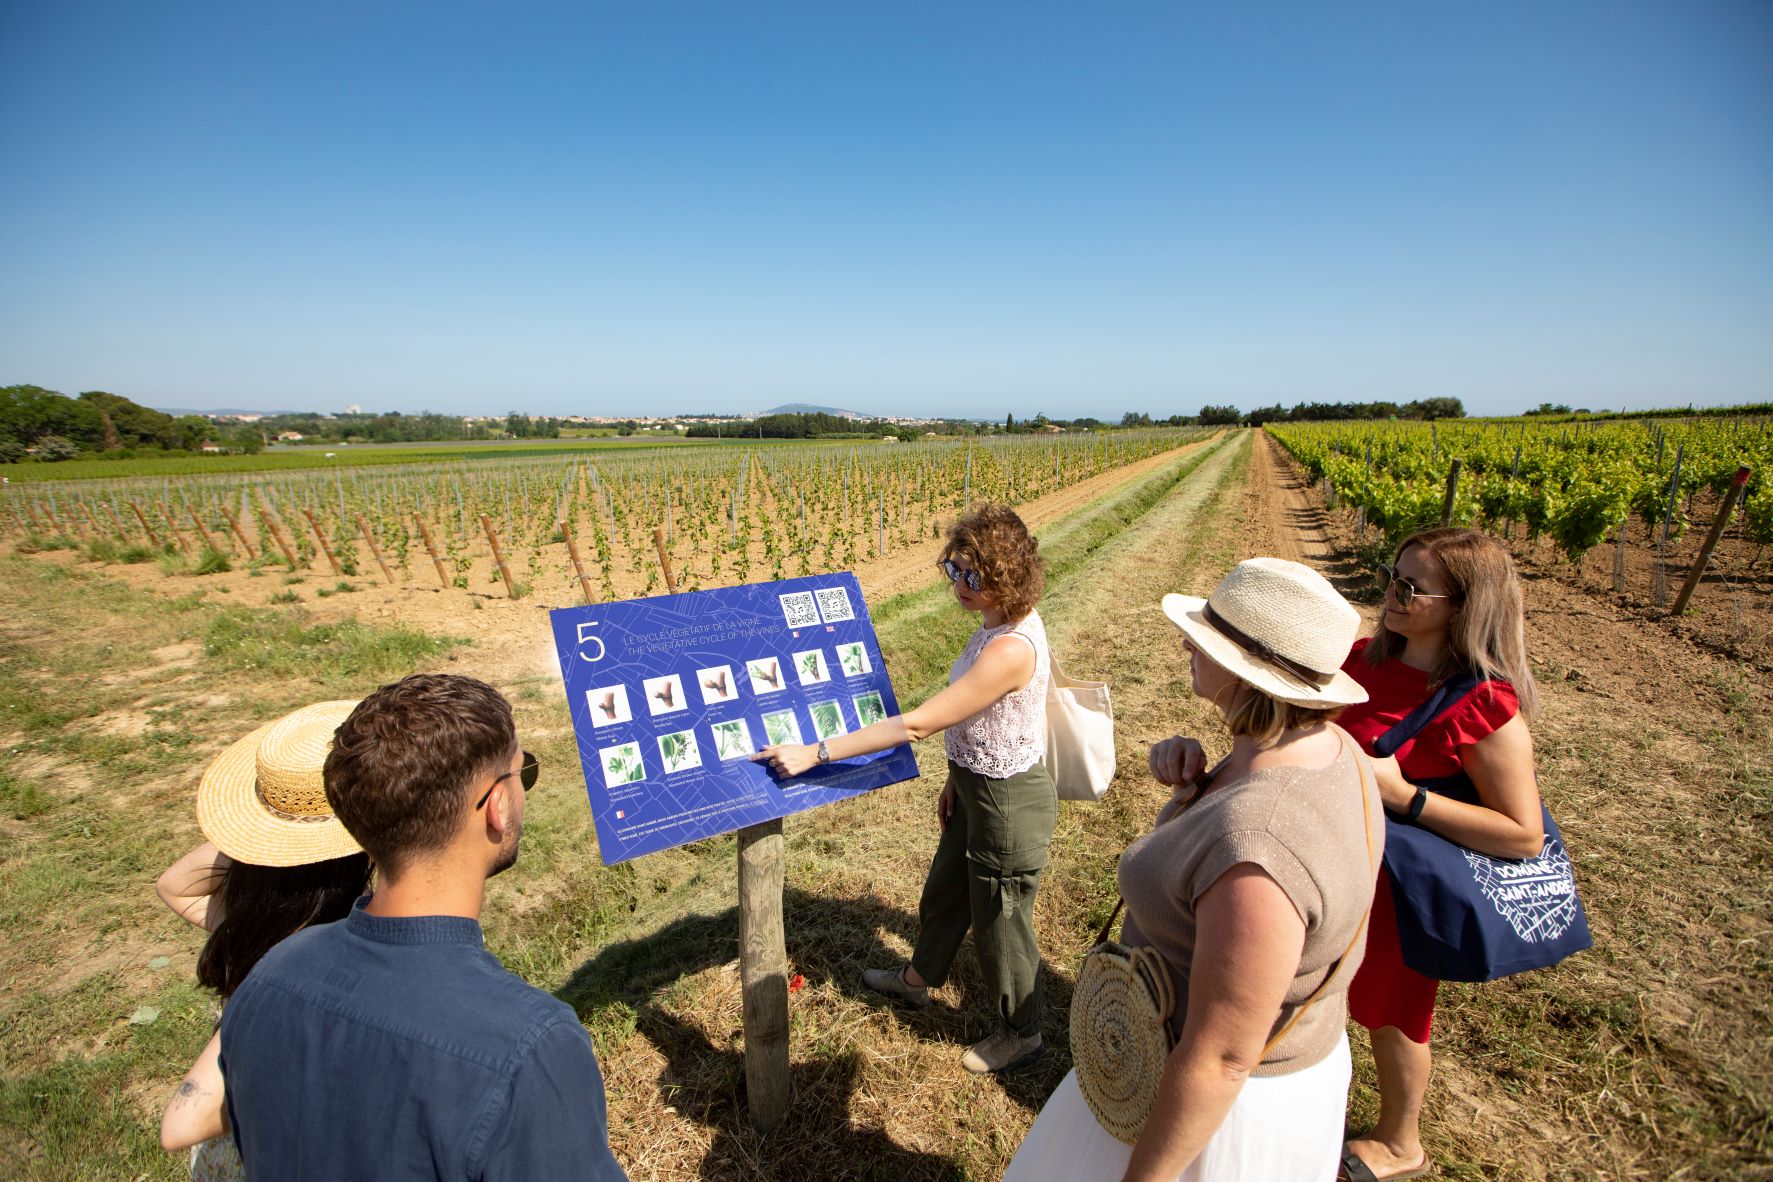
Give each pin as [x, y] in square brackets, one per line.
[1451, 692]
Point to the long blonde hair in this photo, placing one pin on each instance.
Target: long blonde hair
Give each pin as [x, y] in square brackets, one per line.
[1487, 634]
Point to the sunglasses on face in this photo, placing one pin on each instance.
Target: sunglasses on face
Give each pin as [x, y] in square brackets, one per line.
[956, 574]
[526, 775]
[1403, 590]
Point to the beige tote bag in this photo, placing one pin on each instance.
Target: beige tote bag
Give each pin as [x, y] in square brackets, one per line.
[1080, 737]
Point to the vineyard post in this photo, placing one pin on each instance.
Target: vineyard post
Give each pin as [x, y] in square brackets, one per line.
[1452, 491]
[363, 527]
[1508, 530]
[431, 548]
[87, 509]
[320, 537]
[278, 534]
[498, 555]
[234, 524]
[122, 534]
[184, 547]
[153, 537]
[572, 549]
[37, 521]
[202, 530]
[1737, 485]
[664, 562]
[763, 973]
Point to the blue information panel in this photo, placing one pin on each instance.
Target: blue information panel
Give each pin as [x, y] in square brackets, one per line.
[671, 695]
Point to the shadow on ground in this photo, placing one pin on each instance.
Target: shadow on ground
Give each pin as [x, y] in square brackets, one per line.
[829, 940]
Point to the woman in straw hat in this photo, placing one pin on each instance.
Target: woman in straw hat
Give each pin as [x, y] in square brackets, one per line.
[998, 805]
[276, 860]
[1253, 903]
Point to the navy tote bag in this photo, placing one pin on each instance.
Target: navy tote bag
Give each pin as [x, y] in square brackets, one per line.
[1466, 916]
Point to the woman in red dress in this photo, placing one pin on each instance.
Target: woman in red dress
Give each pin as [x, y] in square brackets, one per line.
[1453, 604]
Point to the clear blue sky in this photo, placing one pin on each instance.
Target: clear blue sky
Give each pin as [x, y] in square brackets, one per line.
[956, 208]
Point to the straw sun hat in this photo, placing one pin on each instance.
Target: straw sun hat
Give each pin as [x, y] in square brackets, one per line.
[263, 800]
[1280, 627]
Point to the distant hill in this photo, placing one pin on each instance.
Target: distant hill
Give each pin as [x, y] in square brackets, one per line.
[807, 408]
[177, 411]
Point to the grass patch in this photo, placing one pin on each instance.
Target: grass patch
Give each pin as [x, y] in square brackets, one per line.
[346, 653]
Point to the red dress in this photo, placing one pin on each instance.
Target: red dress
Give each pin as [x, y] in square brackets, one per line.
[1385, 991]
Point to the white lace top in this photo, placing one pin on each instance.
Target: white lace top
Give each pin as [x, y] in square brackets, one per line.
[1010, 735]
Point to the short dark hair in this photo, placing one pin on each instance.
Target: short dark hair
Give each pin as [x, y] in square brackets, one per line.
[400, 765]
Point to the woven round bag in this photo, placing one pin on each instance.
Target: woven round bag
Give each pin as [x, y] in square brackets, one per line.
[1120, 1034]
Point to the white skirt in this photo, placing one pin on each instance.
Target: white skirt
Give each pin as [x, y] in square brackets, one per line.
[1281, 1128]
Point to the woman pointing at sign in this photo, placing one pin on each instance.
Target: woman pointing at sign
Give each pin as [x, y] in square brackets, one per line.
[998, 806]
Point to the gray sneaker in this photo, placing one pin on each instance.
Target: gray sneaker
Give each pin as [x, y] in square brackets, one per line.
[1003, 1050]
[892, 983]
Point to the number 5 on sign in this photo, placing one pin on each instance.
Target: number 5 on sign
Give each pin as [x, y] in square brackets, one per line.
[584, 626]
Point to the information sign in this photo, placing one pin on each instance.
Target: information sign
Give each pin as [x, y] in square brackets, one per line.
[671, 695]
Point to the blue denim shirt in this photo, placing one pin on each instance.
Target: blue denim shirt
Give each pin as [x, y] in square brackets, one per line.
[401, 1049]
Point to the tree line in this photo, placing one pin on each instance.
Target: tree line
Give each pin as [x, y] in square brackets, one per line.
[52, 426]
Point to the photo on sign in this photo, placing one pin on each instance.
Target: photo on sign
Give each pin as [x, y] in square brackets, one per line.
[781, 727]
[827, 719]
[732, 739]
[853, 658]
[609, 705]
[870, 709]
[665, 694]
[622, 765]
[834, 604]
[811, 666]
[680, 751]
[718, 685]
[799, 610]
[766, 675]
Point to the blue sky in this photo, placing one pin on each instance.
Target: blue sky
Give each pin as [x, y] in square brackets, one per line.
[960, 208]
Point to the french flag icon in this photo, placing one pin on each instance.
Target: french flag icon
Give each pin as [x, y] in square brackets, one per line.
[620, 814]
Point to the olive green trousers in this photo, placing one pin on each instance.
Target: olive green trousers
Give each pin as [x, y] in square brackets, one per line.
[984, 876]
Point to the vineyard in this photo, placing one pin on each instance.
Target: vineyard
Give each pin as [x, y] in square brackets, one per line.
[567, 527]
[1610, 503]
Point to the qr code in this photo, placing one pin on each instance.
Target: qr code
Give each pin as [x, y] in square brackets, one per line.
[834, 603]
[799, 611]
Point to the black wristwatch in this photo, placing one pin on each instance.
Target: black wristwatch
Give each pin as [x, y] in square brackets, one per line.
[1416, 803]
[825, 757]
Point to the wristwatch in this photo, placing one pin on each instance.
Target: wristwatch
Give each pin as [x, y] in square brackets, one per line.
[1416, 803]
[825, 757]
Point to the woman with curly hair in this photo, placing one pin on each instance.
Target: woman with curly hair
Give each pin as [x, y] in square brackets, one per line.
[998, 806]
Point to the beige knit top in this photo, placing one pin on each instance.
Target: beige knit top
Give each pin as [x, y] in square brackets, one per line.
[1303, 828]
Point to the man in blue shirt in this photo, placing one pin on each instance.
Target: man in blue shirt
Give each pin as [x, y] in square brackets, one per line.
[392, 1045]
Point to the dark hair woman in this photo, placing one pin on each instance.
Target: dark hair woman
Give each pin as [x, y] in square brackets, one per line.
[998, 806]
[276, 861]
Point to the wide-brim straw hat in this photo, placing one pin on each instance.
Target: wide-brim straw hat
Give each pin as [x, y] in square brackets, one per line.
[1279, 626]
[263, 800]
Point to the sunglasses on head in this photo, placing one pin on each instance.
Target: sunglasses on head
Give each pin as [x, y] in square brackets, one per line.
[1405, 591]
[526, 775]
[956, 574]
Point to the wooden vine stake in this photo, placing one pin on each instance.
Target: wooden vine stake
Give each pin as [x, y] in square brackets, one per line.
[184, 547]
[431, 548]
[277, 533]
[363, 527]
[202, 530]
[1737, 485]
[239, 534]
[1452, 491]
[572, 549]
[153, 537]
[122, 534]
[320, 540]
[664, 560]
[499, 556]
